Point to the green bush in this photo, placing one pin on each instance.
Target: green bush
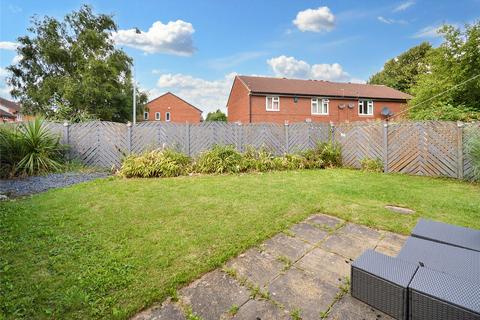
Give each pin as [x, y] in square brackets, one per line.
[473, 151]
[291, 162]
[324, 155]
[219, 159]
[156, 163]
[371, 165]
[28, 149]
[258, 160]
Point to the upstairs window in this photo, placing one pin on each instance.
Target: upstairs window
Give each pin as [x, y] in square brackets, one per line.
[157, 116]
[167, 116]
[365, 107]
[145, 116]
[320, 106]
[273, 103]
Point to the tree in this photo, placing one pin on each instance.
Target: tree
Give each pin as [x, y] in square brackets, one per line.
[402, 72]
[450, 90]
[216, 116]
[71, 69]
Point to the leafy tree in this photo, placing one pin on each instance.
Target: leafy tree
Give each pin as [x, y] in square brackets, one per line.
[71, 69]
[216, 116]
[450, 90]
[402, 72]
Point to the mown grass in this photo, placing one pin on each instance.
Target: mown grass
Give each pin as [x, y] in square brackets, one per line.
[108, 248]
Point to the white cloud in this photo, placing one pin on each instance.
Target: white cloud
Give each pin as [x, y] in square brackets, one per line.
[404, 6]
[175, 37]
[3, 73]
[315, 20]
[8, 45]
[17, 59]
[207, 95]
[290, 67]
[391, 21]
[427, 32]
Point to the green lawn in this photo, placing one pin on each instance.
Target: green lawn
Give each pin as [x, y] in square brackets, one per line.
[108, 248]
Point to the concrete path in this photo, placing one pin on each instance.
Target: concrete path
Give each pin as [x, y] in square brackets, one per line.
[300, 274]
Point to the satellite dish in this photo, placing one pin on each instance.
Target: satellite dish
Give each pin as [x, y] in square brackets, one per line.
[341, 106]
[351, 106]
[386, 112]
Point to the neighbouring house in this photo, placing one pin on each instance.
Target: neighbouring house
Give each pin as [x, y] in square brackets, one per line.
[263, 99]
[171, 108]
[11, 111]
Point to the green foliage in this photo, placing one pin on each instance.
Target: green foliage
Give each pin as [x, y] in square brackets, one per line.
[371, 165]
[72, 70]
[473, 151]
[216, 116]
[449, 90]
[402, 72]
[29, 149]
[258, 160]
[219, 159]
[156, 163]
[324, 155]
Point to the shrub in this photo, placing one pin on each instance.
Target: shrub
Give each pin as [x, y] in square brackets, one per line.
[324, 155]
[473, 151]
[258, 160]
[219, 159]
[29, 148]
[156, 163]
[372, 165]
[291, 162]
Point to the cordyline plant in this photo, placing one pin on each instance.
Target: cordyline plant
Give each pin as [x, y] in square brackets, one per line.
[28, 149]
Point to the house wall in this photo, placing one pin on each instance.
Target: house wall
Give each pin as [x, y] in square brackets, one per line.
[300, 111]
[180, 111]
[238, 103]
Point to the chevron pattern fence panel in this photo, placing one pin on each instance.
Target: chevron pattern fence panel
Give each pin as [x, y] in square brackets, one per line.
[359, 141]
[271, 137]
[205, 135]
[423, 148]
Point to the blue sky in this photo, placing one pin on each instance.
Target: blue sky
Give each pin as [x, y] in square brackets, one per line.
[194, 48]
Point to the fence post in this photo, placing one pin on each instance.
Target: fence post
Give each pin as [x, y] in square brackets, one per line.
[129, 137]
[287, 146]
[188, 139]
[66, 134]
[460, 126]
[332, 133]
[240, 137]
[385, 147]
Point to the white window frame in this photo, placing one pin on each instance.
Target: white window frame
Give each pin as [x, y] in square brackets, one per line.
[157, 116]
[145, 115]
[322, 106]
[167, 116]
[361, 105]
[273, 99]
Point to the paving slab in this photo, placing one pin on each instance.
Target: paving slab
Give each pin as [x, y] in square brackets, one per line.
[348, 245]
[391, 244]
[257, 267]
[324, 221]
[349, 308]
[361, 231]
[328, 266]
[297, 289]
[167, 311]
[213, 295]
[283, 245]
[308, 232]
[261, 310]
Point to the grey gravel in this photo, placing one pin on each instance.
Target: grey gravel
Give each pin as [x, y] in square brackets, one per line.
[31, 185]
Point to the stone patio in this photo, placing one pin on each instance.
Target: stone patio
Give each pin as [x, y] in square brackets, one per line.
[300, 274]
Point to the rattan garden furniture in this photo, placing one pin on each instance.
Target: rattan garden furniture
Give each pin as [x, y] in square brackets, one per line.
[449, 234]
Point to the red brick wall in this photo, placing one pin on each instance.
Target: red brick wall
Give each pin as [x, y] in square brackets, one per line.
[180, 111]
[301, 110]
[238, 103]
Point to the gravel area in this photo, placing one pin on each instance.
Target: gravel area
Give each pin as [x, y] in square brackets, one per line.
[31, 185]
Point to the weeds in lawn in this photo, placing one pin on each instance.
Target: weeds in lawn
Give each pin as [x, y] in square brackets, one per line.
[287, 263]
[296, 314]
[233, 310]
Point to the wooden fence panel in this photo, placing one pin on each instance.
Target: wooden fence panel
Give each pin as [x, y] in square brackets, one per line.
[205, 135]
[268, 136]
[423, 148]
[359, 141]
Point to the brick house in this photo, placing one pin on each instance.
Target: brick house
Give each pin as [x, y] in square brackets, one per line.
[171, 108]
[10, 111]
[262, 99]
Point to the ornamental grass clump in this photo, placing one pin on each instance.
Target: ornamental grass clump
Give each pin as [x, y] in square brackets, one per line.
[259, 160]
[219, 159]
[29, 148]
[156, 163]
[371, 164]
[473, 152]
